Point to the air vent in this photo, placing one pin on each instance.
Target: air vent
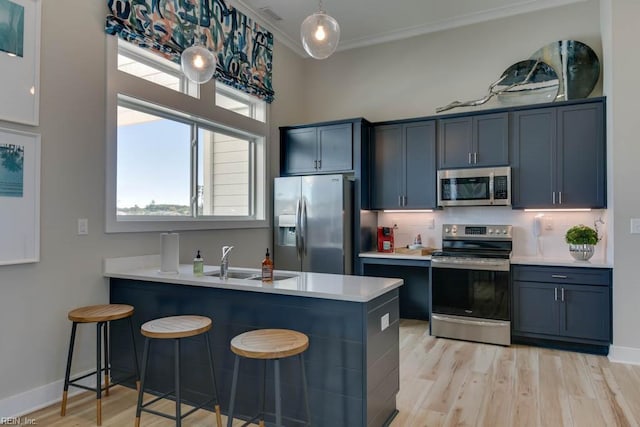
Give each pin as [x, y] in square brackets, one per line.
[268, 13]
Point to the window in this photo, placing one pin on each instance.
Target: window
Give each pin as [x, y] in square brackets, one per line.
[176, 161]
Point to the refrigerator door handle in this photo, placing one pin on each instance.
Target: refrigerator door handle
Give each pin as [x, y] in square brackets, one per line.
[298, 225]
[303, 227]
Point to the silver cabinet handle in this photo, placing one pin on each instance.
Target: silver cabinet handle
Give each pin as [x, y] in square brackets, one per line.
[315, 164]
[559, 197]
[475, 157]
[553, 198]
[400, 201]
[562, 294]
[555, 294]
[469, 157]
[558, 276]
[319, 164]
[404, 201]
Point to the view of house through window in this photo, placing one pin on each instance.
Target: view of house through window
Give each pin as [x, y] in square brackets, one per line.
[178, 163]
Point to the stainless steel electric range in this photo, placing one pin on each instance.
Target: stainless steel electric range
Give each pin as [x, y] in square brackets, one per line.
[471, 285]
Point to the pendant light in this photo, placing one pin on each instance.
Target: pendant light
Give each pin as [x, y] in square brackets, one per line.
[197, 62]
[320, 34]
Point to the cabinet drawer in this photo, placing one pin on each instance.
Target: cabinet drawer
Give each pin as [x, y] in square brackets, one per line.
[558, 275]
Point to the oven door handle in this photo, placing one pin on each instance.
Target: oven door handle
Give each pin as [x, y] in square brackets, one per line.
[467, 322]
[497, 266]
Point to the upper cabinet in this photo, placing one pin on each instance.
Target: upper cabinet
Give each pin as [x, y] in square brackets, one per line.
[473, 141]
[403, 169]
[559, 157]
[317, 149]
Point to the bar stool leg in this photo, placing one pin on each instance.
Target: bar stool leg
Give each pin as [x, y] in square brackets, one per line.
[135, 353]
[177, 381]
[98, 373]
[276, 375]
[304, 389]
[264, 393]
[145, 359]
[105, 329]
[213, 379]
[65, 390]
[234, 384]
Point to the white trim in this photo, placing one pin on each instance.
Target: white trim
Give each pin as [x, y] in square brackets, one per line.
[619, 354]
[40, 397]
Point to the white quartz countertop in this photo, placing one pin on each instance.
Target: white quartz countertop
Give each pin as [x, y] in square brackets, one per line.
[559, 261]
[393, 255]
[313, 285]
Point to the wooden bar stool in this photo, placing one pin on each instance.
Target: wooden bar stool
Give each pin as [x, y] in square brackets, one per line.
[176, 328]
[269, 344]
[101, 315]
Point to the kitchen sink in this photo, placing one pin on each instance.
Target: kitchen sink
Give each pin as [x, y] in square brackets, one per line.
[248, 275]
[276, 277]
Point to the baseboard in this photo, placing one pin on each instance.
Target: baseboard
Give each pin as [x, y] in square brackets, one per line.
[630, 355]
[40, 397]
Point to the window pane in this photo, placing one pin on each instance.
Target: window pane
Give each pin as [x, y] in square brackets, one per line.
[223, 175]
[240, 102]
[153, 165]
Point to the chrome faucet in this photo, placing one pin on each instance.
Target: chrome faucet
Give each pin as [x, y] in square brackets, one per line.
[224, 262]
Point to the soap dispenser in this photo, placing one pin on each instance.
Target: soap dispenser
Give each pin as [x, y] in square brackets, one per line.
[198, 265]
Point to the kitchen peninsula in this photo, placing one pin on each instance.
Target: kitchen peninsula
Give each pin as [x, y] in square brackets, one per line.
[352, 322]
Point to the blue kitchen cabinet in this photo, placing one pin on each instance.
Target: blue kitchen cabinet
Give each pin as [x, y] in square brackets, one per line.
[562, 306]
[403, 166]
[478, 140]
[317, 149]
[559, 156]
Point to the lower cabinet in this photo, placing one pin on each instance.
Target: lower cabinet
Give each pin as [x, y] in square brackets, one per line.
[414, 293]
[569, 305]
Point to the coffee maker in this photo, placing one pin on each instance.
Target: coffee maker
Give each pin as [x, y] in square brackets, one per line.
[385, 239]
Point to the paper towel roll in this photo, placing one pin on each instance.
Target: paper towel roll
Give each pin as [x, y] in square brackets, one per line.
[170, 252]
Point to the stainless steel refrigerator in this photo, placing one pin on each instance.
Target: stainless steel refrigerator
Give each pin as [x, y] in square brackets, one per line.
[312, 223]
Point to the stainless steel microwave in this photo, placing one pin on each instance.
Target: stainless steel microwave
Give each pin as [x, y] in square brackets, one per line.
[475, 187]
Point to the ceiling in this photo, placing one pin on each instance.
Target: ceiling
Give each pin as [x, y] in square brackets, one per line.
[369, 22]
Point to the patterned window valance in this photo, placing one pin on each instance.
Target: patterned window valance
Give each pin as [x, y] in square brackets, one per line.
[243, 48]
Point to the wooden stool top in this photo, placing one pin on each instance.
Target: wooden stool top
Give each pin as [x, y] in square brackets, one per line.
[269, 343]
[100, 313]
[176, 327]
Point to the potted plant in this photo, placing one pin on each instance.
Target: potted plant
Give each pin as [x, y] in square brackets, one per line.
[582, 240]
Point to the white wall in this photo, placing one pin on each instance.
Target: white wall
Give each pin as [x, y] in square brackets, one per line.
[621, 32]
[35, 298]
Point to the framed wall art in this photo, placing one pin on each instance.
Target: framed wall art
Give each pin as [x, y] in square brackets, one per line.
[20, 61]
[19, 197]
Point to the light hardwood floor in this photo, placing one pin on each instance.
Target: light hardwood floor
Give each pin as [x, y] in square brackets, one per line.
[450, 383]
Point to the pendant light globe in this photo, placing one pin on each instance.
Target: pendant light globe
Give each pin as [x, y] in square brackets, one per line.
[198, 63]
[320, 35]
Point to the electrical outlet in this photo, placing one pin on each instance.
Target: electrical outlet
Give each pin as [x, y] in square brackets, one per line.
[83, 226]
[635, 225]
[431, 224]
[547, 221]
[384, 322]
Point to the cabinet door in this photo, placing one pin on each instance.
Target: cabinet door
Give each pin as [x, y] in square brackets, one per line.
[535, 309]
[386, 180]
[491, 140]
[335, 148]
[420, 165]
[454, 142]
[581, 156]
[532, 172]
[300, 151]
[586, 312]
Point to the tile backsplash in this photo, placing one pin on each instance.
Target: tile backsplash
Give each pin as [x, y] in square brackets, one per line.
[550, 243]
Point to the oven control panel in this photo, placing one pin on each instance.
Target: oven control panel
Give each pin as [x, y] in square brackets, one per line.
[470, 231]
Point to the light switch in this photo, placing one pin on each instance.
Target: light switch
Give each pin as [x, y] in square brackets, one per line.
[431, 224]
[384, 322]
[635, 225]
[83, 226]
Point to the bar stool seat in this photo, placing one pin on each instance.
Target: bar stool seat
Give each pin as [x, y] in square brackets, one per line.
[176, 328]
[100, 314]
[269, 344]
